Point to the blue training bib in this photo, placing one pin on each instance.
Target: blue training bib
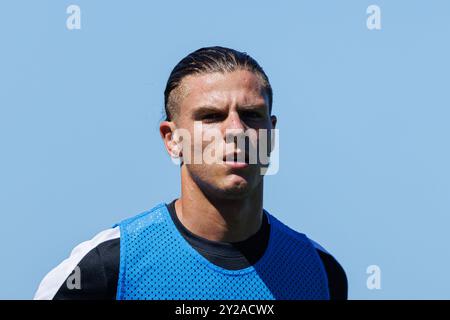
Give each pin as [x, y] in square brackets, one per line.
[157, 263]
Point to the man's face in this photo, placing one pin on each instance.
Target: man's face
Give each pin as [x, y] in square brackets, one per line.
[224, 105]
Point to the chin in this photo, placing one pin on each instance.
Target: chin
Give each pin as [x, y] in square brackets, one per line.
[236, 187]
[225, 184]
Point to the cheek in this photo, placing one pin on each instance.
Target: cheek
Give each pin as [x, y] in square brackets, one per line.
[207, 175]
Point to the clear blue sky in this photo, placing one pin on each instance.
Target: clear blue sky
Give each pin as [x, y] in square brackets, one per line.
[363, 118]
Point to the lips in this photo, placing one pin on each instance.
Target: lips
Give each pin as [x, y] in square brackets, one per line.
[234, 158]
[234, 163]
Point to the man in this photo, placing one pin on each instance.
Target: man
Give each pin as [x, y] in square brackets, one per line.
[216, 241]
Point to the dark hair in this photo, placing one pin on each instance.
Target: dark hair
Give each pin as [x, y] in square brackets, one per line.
[210, 60]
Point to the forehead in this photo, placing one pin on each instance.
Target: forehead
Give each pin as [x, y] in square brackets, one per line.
[240, 87]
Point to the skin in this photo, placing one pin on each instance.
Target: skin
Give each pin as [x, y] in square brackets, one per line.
[219, 202]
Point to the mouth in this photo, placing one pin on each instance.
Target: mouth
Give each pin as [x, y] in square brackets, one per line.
[234, 160]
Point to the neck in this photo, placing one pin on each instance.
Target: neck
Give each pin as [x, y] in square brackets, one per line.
[219, 219]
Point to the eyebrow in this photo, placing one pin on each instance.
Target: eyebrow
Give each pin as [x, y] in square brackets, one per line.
[202, 110]
[253, 106]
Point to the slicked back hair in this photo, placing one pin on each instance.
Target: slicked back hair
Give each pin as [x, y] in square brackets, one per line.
[211, 60]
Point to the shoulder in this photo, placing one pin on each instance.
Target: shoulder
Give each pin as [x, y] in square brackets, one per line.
[337, 279]
[94, 262]
[139, 222]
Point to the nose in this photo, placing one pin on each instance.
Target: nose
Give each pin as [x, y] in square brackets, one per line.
[234, 129]
[234, 122]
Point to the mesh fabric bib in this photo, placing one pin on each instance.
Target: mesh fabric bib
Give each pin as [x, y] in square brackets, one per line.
[156, 262]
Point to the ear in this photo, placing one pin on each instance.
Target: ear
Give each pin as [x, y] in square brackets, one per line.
[166, 130]
[273, 120]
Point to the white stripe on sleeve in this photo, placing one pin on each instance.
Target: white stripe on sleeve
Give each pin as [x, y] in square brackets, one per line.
[51, 283]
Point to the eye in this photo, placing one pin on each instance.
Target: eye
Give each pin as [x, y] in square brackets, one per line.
[252, 114]
[210, 117]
